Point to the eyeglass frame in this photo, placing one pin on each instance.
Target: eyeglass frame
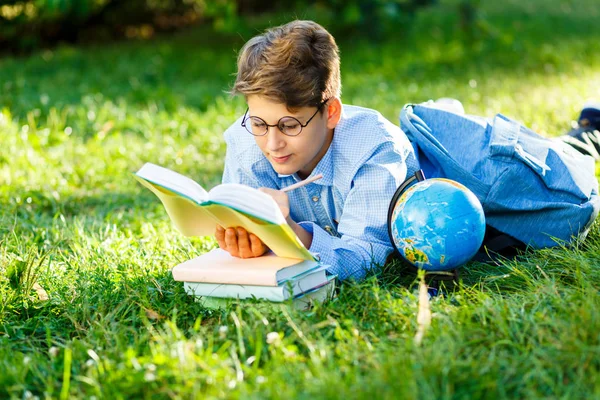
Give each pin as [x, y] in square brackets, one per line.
[246, 118]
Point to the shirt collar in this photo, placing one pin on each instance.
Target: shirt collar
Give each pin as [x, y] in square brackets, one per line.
[325, 167]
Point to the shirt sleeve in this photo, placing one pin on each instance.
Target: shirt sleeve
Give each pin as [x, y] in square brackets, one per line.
[363, 239]
[233, 172]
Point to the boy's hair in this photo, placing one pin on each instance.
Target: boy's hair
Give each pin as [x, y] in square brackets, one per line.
[296, 64]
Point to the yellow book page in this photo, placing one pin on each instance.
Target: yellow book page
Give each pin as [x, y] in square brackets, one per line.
[281, 239]
[188, 217]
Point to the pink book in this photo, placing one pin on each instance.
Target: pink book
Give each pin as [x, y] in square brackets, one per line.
[218, 266]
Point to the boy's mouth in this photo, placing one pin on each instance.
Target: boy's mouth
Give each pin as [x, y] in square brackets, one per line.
[281, 160]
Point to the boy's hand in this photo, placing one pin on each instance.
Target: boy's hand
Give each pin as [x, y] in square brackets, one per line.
[239, 243]
[281, 198]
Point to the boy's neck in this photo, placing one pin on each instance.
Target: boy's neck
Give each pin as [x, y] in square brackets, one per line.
[305, 172]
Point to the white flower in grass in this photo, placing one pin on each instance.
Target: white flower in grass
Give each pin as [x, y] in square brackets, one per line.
[150, 367]
[260, 379]
[273, 338]
[223, 331]
[53, 351]
[149, 377]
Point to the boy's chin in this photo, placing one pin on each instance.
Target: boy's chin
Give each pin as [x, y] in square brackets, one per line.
[284, 169]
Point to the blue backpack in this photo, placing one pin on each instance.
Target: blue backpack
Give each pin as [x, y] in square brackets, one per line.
[539, 191]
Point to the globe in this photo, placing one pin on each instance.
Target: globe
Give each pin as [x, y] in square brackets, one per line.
[437, 224]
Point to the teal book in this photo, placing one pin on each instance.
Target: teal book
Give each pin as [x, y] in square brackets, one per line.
[303, 301]
[286, 289]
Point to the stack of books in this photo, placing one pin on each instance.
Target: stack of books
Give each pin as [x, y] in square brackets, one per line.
[289, 271]
[218, 275]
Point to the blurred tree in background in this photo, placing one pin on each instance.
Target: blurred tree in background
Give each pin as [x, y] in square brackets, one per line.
[26, 25]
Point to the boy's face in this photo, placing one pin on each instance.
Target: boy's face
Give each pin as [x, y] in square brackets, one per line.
[293, 154]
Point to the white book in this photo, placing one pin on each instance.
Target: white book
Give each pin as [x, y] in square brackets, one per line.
[303, 301]
[196, 212]
[286, 289]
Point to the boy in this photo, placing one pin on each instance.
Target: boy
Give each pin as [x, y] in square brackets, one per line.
[295, 127]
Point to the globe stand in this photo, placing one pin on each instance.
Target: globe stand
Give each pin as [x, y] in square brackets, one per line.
[437, 281]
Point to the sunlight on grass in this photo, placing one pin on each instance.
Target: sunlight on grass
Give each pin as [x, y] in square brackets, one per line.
[76, 122]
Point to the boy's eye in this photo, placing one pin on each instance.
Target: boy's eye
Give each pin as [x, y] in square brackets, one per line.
[290, 125]
[257, 124]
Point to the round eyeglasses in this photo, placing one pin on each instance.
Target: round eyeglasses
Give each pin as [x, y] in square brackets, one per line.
[289, 126]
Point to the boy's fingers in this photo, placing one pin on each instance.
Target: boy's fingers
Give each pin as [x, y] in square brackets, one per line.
[243, 243]
[220, 236]
[258, 247]
[231, 242]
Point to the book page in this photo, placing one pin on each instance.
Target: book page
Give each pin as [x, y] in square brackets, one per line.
[188, 217]
[195, 212]
[247, 199]
[172, 181]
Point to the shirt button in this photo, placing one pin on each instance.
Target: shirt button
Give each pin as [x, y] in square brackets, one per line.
[328, 228]
[315, 198]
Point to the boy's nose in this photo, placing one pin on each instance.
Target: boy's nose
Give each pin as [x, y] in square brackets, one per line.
[275, 139]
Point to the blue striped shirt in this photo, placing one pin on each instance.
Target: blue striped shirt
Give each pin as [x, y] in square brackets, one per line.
[346, 210]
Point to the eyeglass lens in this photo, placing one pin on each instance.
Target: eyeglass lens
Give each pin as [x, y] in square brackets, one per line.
[288, 125]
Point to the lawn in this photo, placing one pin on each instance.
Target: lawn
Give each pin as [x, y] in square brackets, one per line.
[88, 307]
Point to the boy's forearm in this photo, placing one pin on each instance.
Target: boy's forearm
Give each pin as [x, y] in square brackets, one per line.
[304, 236]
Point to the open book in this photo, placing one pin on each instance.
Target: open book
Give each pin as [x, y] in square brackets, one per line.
[196, 212]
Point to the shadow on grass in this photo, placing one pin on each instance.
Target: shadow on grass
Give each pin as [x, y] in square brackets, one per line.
[193, 68]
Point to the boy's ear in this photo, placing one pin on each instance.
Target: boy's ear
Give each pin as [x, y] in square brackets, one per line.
[334, 112]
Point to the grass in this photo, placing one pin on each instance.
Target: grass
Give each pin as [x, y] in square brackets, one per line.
[88, 308]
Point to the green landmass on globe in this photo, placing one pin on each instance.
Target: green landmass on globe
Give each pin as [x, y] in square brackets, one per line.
[415, 255]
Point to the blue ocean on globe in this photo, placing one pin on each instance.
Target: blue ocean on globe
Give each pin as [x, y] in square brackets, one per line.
[437, 224]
